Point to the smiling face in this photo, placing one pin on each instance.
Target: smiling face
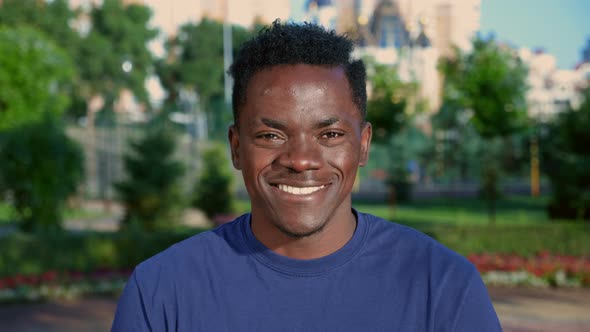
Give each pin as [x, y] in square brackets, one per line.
[299, 142]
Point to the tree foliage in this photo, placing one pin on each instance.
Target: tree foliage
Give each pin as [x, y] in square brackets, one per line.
[117, 34]
[51, 17]
[34, 76]
[490, 82]
[390, 110]
[40, 168]
[213, 192]
[388, 100]
[152, 193]
[194, 59]
[194, 62]
[114, 54]
[56, 20]
[567, 162]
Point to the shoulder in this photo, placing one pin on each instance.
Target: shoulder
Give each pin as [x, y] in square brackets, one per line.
[196, 251]
[457, 294]
[414, 247]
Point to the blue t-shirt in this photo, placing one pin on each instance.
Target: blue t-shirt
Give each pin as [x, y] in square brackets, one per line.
[386, 278]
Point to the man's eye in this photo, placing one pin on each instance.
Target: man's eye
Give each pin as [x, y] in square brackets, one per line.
[269, 136]
[331, 134]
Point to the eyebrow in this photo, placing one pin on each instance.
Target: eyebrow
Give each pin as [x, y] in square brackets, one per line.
[273, 123]
[327, 122]
[281, 126]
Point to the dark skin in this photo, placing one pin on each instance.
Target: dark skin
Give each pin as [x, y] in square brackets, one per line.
[299, 142]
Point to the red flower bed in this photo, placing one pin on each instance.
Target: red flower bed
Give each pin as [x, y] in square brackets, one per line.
[543, 265]
[68, 277]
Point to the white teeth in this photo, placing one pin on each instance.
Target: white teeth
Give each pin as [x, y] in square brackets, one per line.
[299, 190]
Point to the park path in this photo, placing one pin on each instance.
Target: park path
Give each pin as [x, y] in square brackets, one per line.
[519, 309]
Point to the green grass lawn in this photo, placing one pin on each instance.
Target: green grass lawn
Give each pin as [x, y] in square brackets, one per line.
[7, 214]
[512, 210]
[522, 225]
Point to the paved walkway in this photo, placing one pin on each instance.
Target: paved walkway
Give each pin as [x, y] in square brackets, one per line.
[540, 310]
[520, 310]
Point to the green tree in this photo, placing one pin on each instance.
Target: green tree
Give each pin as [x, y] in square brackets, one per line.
[152, 192]
[40, 168]
[388, 101]
[51, 17]
[34, 75]
[449, 146]
[390, 108]
[194, 61]
[213, 192]
[490, 81]
[55, 19]
[114, 54]
[566, 156]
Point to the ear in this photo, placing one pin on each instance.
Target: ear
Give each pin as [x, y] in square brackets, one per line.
[366, 135]
[234, 143]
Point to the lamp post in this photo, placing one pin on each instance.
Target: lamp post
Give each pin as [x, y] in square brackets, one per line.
[227, 53]
[535, 173]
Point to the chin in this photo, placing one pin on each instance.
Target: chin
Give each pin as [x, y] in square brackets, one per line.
[297, 229]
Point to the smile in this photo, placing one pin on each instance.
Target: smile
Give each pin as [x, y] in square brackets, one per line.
[299, 190]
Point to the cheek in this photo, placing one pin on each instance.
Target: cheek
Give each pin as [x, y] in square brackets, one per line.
[256, 160]
[346, 164]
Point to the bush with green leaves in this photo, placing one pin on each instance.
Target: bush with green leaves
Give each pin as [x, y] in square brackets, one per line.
[566, 160]
[213, 192]
[152, 192]
[40, 168]
[34, 254]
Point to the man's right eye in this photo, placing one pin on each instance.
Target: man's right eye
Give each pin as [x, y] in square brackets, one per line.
[269, 136]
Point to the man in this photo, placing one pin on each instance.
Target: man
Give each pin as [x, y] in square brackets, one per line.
[303, 259]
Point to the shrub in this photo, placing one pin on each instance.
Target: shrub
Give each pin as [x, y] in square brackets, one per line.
[37, 253]
[213, 191]
[525, 240]
[40, 168]
[152, 193]
[567, 159]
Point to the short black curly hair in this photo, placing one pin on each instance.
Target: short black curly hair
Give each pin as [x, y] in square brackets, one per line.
[293, 43]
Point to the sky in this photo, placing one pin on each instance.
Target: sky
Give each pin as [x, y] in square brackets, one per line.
[560, 27]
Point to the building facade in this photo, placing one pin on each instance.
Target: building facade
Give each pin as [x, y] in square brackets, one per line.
[552, 90]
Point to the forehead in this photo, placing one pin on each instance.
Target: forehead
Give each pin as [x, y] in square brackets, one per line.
[297, 74]
[299, 86]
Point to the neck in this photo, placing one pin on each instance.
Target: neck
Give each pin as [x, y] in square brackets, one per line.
[328, 240]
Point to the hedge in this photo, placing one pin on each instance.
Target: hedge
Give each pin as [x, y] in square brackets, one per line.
[524, 240]
[34, 254]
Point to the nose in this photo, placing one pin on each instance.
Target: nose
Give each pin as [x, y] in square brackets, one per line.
[300, 155]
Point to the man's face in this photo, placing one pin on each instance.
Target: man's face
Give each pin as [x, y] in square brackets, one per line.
[299, 143]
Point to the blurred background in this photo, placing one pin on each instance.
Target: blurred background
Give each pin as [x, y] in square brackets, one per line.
[114, 116]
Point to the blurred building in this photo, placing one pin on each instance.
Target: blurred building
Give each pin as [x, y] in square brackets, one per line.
[411, 34]
[323, 12]
[552, 90]
[414, 34]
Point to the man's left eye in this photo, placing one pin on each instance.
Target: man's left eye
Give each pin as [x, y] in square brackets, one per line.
[331, 134]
